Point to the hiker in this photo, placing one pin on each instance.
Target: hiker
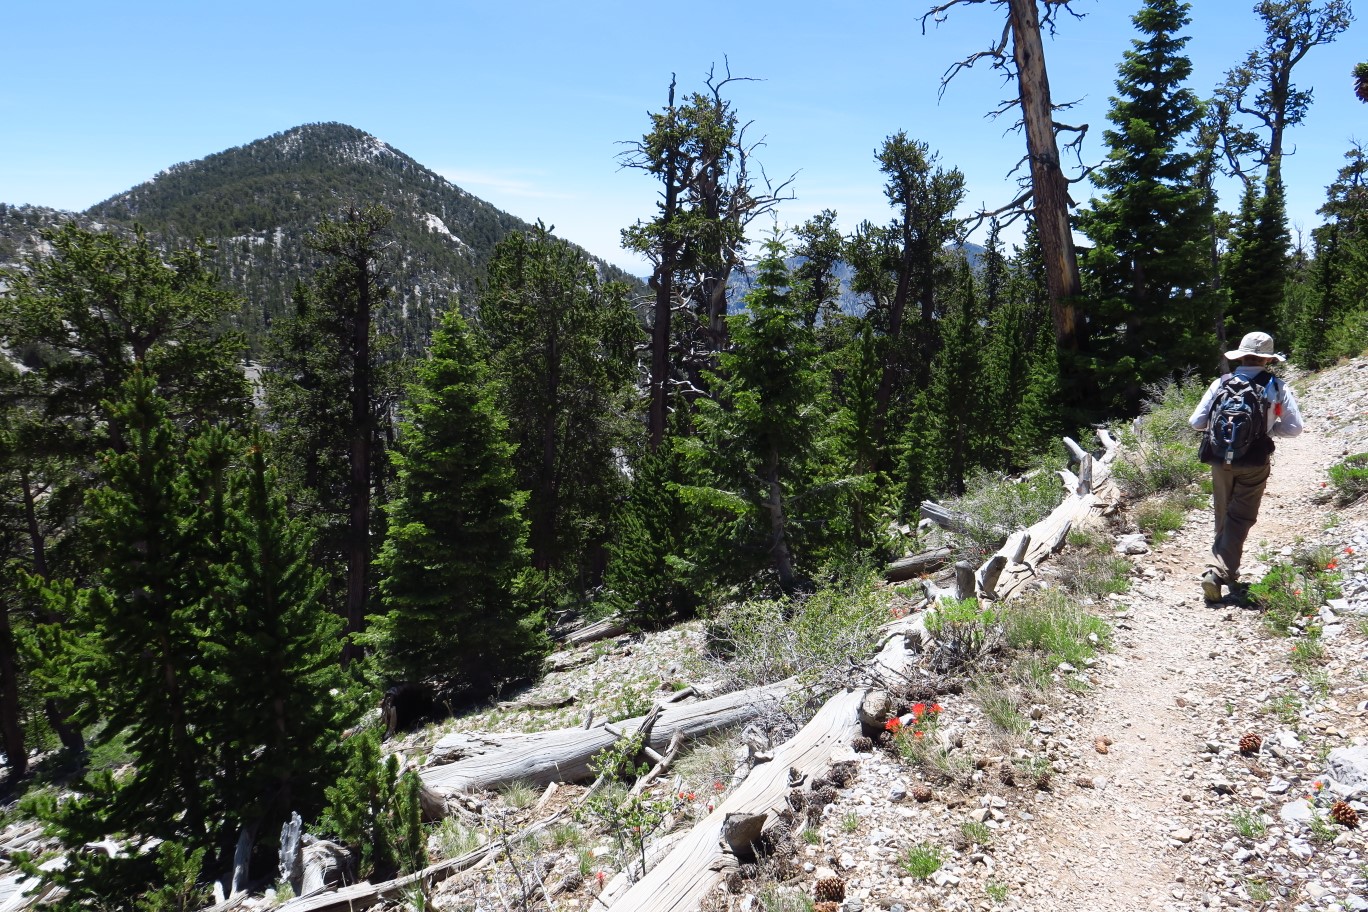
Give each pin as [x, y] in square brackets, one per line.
[1240, 414]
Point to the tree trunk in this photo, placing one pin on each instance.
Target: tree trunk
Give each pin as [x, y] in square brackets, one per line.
[663, 283]
[774, 504]
[1050, 189]
[358, 493]
[11, 727]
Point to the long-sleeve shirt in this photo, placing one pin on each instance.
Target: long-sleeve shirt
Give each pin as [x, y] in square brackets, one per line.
[1288, 424]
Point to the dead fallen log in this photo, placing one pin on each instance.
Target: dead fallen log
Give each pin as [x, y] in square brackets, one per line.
[1006, 571]
[694, 866]
[906, 568]
[563, 755]
[364, 895]
[599, 630]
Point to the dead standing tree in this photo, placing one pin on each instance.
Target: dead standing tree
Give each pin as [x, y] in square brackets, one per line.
[699, 151]
[1047, 196]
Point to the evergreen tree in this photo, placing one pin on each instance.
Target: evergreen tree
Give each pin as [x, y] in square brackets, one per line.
[655, 575]
[1334, 323]
[943, 444]
[457, 541]
[762, 425]
[562, 343]
[202, 642]
[1151, 304]
[698, 150]
[330, 385]
[1257, 264]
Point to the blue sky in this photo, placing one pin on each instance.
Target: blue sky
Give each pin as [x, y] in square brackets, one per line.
[527, 104]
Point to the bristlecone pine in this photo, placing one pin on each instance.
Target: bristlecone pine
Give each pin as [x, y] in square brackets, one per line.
[1361, 82]
[830, 889]
[1250, 744]
[1343, 814]
[862, 745]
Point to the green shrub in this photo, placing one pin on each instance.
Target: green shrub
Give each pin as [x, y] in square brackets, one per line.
[1158, 516]
[996, 505]
[1159, 453]
[1090, 569]
[1350, 478]
[1052, 623]
[1295, 590]
[765, 640]
[963, 630]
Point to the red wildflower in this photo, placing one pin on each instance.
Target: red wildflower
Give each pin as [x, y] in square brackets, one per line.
[717, 785]
[893, 724]
[918, 709]
[935, 707]
[1332, 565]
[918, 733]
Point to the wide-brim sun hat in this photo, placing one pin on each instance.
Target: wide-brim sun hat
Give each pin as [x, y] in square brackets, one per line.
[1255, 343]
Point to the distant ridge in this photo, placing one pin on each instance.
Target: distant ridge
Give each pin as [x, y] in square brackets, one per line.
[258, 202]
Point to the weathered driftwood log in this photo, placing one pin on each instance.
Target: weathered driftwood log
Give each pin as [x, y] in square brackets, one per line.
[563, 755]
[364, 895]
[964, 580]
[1019, 556]
[947, 518]
[599, 630]
[905, 568]
[692, 869]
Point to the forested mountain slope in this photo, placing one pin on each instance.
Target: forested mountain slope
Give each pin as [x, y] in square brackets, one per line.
[256, 204]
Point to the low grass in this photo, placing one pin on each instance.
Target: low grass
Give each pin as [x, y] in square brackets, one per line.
[976, 832]
[921, 860]
[1248, 825]
[518, 795]
[999, 706]
[1053, 624]
[1159, 516]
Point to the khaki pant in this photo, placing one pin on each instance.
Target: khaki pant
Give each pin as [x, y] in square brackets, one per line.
[1236, 492]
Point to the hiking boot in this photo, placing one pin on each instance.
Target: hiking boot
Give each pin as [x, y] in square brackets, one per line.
[1211, 586]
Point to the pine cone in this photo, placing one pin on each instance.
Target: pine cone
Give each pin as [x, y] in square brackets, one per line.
[862, 745]
[921, 793]
[826, 907]
[797, 798]
[830, 889]
[1250, 744]
[842, 774]
[1343, 814]
[1007, 773]
[827, 795]
[921, 693]
[735, 883]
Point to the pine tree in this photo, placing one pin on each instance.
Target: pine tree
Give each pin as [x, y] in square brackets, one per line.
[202, 641]
[457, 540]
[1151, 306]
[331, 382]
[1257, 263]
[655, 575]
[941, 449]
[763, 423]
[562, 344]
